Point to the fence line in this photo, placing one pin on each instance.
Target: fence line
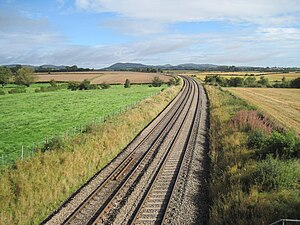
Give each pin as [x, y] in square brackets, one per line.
[26, 152]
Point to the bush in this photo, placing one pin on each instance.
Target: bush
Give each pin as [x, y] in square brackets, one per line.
[2, 92]
[85, 85]
[256, 139]
[127, 83]
[274, 174]
[295, 83]
[17, 90]
[174, 81]
[53, 144]
[73, 85]
[105, 86]
[157, 82]
[53, 83]
[281, 144]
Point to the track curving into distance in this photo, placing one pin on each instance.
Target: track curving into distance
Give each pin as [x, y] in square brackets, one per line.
[138, 186]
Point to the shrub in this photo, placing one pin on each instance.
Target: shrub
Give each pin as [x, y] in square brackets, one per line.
[2, 92]
[105, 86]
[53, 83]
[17, 90]
[127, 83]
[94, 86]
[73, 85]
[281, 144]
[53, 144]
[174, 81]
[295, 83]
[256, 139]
[157, 82]
[274, 174]
[85, 85]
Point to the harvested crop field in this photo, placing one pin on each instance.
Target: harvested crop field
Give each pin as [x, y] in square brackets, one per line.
[98, 77]
[281, 104]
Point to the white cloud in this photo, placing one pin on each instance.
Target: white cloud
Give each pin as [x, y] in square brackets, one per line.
[280, 33]
[171, 11]
[133, 27]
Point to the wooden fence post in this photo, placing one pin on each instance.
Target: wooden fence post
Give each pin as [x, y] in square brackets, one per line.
[22, 152]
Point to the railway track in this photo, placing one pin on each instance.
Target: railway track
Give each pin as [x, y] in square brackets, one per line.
[137, 186]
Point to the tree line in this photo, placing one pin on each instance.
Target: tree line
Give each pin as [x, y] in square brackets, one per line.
[21, 76]
[251, 81]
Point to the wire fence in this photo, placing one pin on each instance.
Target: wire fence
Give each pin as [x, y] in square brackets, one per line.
[28, 151]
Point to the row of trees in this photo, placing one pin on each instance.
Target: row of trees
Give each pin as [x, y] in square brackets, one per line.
[23, 76]
[250, 81]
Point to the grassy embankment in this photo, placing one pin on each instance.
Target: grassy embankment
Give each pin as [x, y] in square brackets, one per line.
[31, 117]
[35, 187]
[280, 104]
[255, 169]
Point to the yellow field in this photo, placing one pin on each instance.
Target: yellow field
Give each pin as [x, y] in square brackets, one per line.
[279, 76]
[98, 77]
[271, 76]
[281, 104]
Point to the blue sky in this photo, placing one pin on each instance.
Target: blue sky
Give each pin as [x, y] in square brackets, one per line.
[97, 33]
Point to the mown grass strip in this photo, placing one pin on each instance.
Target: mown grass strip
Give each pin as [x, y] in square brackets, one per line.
[34, 188]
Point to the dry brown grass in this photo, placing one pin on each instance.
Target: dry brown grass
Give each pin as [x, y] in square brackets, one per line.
[281, 104]
[98, 77]
[35, 187]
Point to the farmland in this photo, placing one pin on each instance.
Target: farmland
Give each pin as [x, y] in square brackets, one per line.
[281, 104]
[30, 117]
[273, 77]
[99, 77]
[47, 179]
[255, 168]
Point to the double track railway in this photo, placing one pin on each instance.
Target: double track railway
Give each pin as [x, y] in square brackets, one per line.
[138, 186]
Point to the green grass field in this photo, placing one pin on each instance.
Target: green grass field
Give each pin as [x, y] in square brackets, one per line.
[28, 118]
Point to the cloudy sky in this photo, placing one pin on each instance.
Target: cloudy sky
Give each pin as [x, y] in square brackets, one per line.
[97, 33]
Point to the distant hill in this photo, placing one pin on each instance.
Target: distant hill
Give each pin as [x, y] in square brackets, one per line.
[128, 66]
[188, 66]
[51, 67]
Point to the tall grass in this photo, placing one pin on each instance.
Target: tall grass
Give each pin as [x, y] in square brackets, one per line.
[34, 188]
[245, 188]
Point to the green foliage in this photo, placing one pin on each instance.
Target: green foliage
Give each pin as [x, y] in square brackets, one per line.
[243, 188]
[250, 81]
[263, 81]
[175, 81]
[5, 75]
[85, 85]
[105, 86]
[256, 139]
[53, 83]
[157, 82]
[235, 82]
[49, 88]
[25, 77]
[127, 83]
[2, 92]
[53, 144]
[281, 144]
[73, 85]
[295, 83]
[273, 174]
[216, 80]
[17, 90]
